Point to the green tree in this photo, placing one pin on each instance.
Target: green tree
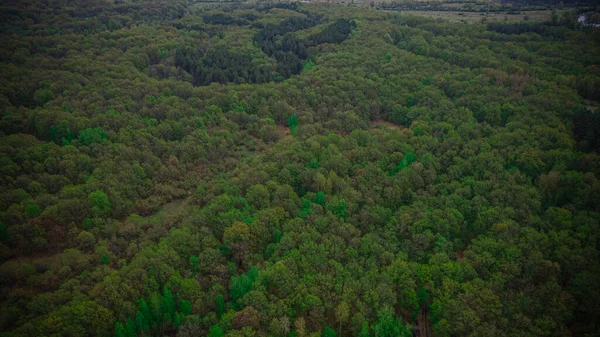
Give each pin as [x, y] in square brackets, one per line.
[293, 124]
[215, 331]
[92, 136]
[33, 211]
[167, 306]
[141, 322]
[328, 332]
[185, 307]
[104, 259]
[342, 313]
[365, 330]
[319, 198]
[388, 326]
[120, 330]
[130, 328]
[194, 264]
[220, 305]
[99, 204]
[43, 96]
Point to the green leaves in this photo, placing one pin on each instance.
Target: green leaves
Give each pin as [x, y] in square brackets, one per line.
[99, 203]
[104, 259]
[293, 124]
[240, 285]
[91, 136]
[319, 199]
[328, 332]
[33, 211]
[43, 96]
[388, 326]
[220, 306]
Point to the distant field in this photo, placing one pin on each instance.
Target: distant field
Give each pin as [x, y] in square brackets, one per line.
[471, 17]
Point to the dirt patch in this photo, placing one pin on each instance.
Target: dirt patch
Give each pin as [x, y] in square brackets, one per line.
[385, 124]
[591, 105]
[283, 130]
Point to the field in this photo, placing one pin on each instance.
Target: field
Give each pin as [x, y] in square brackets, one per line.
[471, 17]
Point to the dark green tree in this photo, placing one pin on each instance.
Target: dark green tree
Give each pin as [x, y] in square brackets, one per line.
[220, 305]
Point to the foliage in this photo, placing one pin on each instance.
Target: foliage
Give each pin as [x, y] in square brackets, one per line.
[441, 177]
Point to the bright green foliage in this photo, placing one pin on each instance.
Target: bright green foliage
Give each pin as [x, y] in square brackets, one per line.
[328, 332]
[33, 211]
[141, 322]
[365, 330]
[276, 237]
[293, 124]
[388, 326]
[340, 209]
[148, 318]
[194, 264]
[388, 57]
[215, 331]
[313, 163]
[185, 307]
[120, 330]
[99, 203]
[178, 320]
[220, 305]
[305, 210]
[167, 307]
[92, 136]
[240, 285]
[130, 328]
[408, 159]
[104, 259]
[320, 198]
[308, 65]
[418, 130]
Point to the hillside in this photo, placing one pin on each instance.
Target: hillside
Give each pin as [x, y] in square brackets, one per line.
[304, 169]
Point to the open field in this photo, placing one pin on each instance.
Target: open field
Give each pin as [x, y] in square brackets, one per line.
[471, 17]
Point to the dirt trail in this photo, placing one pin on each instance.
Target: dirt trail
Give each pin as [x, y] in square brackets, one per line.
[381, 122]
[423, 327]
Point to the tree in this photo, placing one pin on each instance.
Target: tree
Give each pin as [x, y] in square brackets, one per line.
[365, 331]
[328, 332]
[141, 322]
[320, 199]
[120, 330]
[220, 305]
[258, 196]
[145, 320]
[167, 306]
[194, 264]
[99, 204]
[293, 124]
[92, 136]
[342, 313]
[388, 326]
[130, 328]
[104, 259]
[185, 307]
[33, 211]
[215, 331]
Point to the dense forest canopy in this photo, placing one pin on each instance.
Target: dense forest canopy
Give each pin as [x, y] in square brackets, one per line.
[293, 170]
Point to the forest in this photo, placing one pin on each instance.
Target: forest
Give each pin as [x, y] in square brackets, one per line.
[172, 168]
